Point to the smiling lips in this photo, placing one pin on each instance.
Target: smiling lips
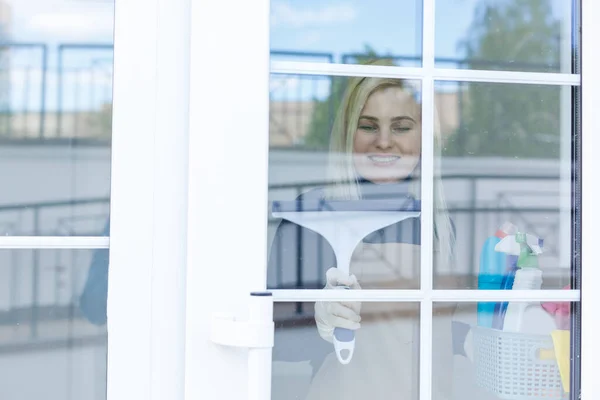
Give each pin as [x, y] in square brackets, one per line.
[383, 160]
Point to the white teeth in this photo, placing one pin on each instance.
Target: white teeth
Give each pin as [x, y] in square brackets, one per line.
[384, 158]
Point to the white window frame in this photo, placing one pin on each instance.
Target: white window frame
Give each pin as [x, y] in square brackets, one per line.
[146, 290]
[217, 288]
[590, 295]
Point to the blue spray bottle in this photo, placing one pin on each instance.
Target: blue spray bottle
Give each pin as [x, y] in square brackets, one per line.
[507, 284]
[492, 268]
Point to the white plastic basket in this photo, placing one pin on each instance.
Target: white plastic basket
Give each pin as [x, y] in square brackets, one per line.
[509, 365]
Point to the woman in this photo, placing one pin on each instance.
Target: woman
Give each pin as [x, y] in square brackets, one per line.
[375, 151]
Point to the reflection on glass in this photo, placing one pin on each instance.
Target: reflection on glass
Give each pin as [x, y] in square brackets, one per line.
[55, 116]
[346, 31]
[52, 332]
[385, 359]
[508, 35]
[532, 361]
[355, 141]
[506, 159]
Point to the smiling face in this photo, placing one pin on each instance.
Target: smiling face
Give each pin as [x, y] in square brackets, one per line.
[387, 142]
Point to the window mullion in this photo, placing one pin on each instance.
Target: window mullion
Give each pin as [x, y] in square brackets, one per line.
[427, 204]
[441, 74]
[412, 295]
[54, 242]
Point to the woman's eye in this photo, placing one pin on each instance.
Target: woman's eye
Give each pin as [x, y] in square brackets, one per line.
[367, 128]
[401, 128]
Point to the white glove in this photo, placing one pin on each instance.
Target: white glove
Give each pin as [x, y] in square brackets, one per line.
[330, 314]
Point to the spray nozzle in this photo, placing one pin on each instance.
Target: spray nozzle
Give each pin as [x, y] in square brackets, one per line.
[527, 256]
[524, 245]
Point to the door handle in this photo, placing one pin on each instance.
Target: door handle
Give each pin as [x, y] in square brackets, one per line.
[258, 331]
[257, 334]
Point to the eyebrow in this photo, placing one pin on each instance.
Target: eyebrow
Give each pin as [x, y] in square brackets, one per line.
[395, 119]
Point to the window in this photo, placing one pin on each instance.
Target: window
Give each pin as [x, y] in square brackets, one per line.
[500, 133]
[494, 99]
[55, 130]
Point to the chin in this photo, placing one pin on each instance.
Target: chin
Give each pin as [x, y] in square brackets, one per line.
[386, 173]
[382, 176]
[384, 181]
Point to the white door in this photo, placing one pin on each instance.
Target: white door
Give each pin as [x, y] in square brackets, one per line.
[472, 110]
[72, 160]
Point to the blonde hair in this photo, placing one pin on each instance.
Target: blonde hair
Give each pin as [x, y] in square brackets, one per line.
[342, 177]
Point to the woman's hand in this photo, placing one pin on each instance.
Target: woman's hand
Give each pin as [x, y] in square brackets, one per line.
[330, 314]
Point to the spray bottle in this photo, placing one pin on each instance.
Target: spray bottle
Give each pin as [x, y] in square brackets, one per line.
[526, 317]
[492, 268]
[507, 284]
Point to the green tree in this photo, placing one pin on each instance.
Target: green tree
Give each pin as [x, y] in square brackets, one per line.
[507, 119]
[323, 115]
[324, 111]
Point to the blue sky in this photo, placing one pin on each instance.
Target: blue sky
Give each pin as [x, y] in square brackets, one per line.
[331, 26]
[392, 26]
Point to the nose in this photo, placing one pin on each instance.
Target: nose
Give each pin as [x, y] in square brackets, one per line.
[384, 139]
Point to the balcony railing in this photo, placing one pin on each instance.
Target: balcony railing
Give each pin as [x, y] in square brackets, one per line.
[39, 309]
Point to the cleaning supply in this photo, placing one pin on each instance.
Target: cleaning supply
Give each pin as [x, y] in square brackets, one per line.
[562, 350]
[507, 284]
[492, 267]
[526, 317]
[561, 353]
[560, 310]
[512, 250]
[344, 224]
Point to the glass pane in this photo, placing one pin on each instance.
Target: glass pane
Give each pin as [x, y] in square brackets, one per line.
[504, 158]
[346, 31]
[344, 144]
[55, 116]
[531, 361]
[52, 332]
[508, 35]
[385, 358]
